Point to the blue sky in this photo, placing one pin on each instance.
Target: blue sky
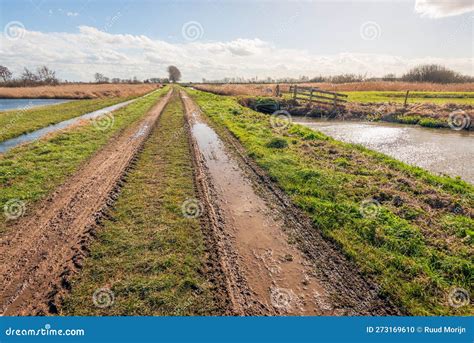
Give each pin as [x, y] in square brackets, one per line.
[393, 34]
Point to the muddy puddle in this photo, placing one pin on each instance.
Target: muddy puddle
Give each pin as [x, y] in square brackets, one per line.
[35, 135]
[276, 271]
[437, 150]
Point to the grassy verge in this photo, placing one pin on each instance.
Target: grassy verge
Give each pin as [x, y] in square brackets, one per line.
[17, 122]
[30, 172]
[148, 254]
[466, 98]
[411, 231]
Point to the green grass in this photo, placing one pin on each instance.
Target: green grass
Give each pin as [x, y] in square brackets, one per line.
[17, 122]
[30, 172]
[439, 98]
[417, 245]
[148, 254]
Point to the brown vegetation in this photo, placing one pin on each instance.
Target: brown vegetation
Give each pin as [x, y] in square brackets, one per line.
[269, 89]
[78, 91]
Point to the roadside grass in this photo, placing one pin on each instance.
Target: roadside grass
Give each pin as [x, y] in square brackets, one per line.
[465, 98]
[409, 230]
[17, 122]
[148, 253]
[30, 172]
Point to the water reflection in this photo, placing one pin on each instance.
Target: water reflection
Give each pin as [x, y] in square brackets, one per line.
[437, 150]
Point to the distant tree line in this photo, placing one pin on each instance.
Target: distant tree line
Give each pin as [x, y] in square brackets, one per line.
[101, 78]
[42, 76]
[173, 72]
[434, 73]
[423, 73]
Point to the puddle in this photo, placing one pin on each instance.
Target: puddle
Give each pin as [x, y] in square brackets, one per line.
[276, 271]
[35, 135]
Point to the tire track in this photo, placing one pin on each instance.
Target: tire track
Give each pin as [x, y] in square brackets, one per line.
[41, 250]
[250, 222]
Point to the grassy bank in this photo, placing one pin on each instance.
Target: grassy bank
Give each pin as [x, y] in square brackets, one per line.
[16, 122]
[466, 98]
[410, 230]
[30, 172]
[422, 114]
[148, 254]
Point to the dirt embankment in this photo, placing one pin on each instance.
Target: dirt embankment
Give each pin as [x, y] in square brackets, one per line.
[411, 114]
[392, 112]
[425, 114]
[78, 91]
[250, 223]
[40, 252]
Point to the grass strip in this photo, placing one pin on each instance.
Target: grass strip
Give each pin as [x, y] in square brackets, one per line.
[465, 98]
[17, 122]
[30, 172]
[410, 230]
[148, 254]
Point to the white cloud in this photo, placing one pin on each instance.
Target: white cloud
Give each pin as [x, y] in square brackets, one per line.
[77, 56]
[72, 14]
[443, 8]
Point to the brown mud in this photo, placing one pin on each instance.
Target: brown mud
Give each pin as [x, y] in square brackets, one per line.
[41, 251]
[272, 259]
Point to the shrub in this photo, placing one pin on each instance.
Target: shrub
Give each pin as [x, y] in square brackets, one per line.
[430, 122]
[277, 143]
[434, 73]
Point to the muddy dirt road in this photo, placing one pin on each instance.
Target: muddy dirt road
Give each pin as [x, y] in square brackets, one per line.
[264, 255]
[40, 251]
[251, 224]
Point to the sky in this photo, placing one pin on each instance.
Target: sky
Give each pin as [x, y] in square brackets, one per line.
[240, 38]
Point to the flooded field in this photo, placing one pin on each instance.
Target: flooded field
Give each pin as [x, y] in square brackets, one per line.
[16, 104]
[439, 151]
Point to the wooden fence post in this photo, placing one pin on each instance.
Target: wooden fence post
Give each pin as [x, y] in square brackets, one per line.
[406, 99]
[294, 92]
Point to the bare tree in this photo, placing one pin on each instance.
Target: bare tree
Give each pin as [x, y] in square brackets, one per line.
[28, 76]
[46, 75]
[100, 78]
[174, 74]
[5, 74]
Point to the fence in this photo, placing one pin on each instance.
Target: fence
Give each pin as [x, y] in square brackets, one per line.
[316, 95]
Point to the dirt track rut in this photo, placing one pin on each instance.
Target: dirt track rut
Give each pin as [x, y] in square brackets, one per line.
[251, 223]
[40, 251]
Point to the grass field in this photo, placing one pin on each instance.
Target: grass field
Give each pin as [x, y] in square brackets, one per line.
[148, 254]
[16, 122]
[410, 230]
[466, 98]
[30, 172]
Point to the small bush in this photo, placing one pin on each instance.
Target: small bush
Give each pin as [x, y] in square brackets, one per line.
[235, 111]
[408, 119]
[277, 143]
[429, 122]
